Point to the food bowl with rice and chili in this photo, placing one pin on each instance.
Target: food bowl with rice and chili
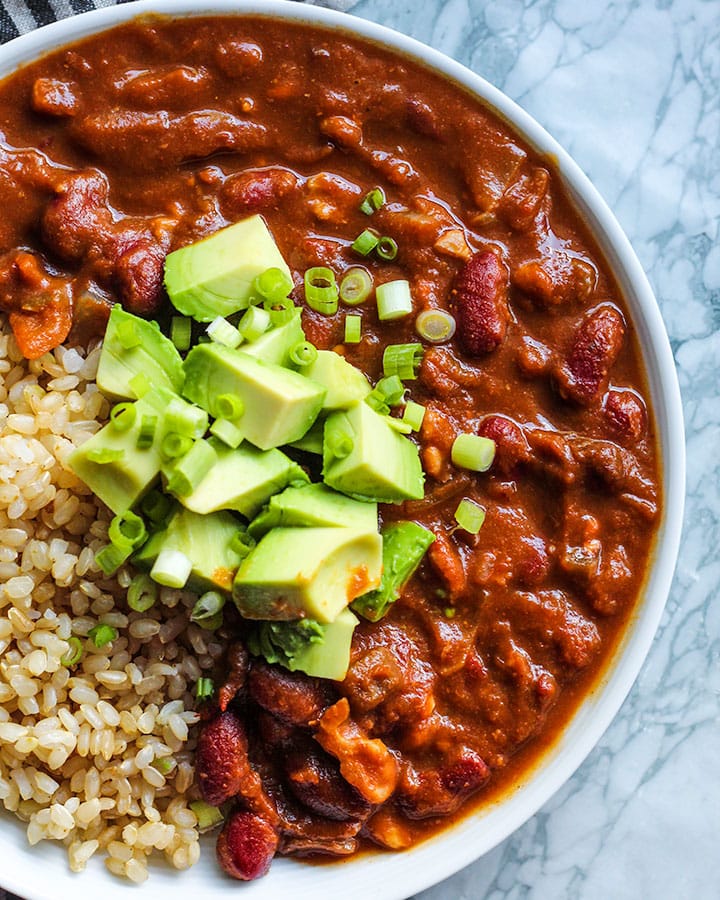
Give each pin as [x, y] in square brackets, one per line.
[340, 457]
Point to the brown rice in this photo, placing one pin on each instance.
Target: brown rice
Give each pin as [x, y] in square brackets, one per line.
[97, 756]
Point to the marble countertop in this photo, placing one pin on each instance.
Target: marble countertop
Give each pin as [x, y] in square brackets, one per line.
[632, 89]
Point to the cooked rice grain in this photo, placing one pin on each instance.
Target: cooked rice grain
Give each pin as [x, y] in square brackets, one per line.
[78, 747]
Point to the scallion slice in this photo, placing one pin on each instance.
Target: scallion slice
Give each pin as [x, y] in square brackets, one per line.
[156, 506]
[435, 325]
[392, 389]
[207, 607]
[281, 310]
[127, 530]
[413, 415]
[172, 568]
[255, 321]
[222, 332]
[146, 435]
[185, 418]
[394, 300]
[303, 354]
[469, 516]
[104, 455]
[353, 329]
[228, 432]
[399, 425]
[101, 635]
[321, 290]
[365, 242]
[356, 286]
[242, 543]
[74, 652]
[207, 816]
[471, 451]
[164, 765]
[272, 284]
[373, 201]
[204, 688]
[181, 332]
[123, 416]
[174, 445]
[188, 471]
[142, 593]
[403, 360]
[229, 406]
[110, 558]
[387, 248]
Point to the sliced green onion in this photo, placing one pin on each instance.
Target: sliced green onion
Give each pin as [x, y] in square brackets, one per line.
[228, 406]
[366, 242]
[110, 558]
[399, 425]
[174, 445]
[204, 688]
[255, 321]
[156, 506]
[104, 455]
[127, 334]
[394, 300]
[356, 286]
[321, 290]
[146, 435]
[139, 384]
[207, 816]
[74, 652]
[449, 612]
[387, 248]
[102, 635]
[228, 432]
[435, 325]
[353, 329]
[471, 451]
[164, 765]
[469, 516]
[303, 354]
[213, 623]
[392, 389]
[403, 360]
[127, 530]
[373, 201]
[207, 607]
[272, 284]
[280, 310]
[172, 568]
[242, 543]
[189, 470]
[222, 332]
[181, 332]
[142, 593]
[413, 415]
[123, 416]
[340, 444]
[185, 418]
[376, 401]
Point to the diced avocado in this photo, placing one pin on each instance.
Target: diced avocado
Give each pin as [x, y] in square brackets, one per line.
[312, 440]
[279, 405]
[344, 383]
[312, 506]
[404, 546]
[134, 346]
[214, 276]
[242, 479]
[322, 651]
[307, 572]
[205, 540]
[275, 345]
[364, 457]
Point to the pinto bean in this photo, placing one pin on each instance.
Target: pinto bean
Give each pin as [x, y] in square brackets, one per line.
[256, 189]
[221, 759]
[246, 846]
[481, 303]
[583, 375]
[511, 446]
[292, 697]
[626, 414]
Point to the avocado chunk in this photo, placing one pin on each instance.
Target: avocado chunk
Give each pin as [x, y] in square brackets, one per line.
[275, 345]
[295, 573]
[313, 506]
[242, 479]
[344, 383]
[134, 346]
[214, 276]
[205, 540]
[279, 405]
[322, 651]
[404, 546]
[312, 440]
[366, 458]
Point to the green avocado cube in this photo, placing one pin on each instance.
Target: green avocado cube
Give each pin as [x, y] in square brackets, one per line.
[279, 405]
[134, 346]
[242, 479]
[330, 657]
[344, 383]
[307, 572]
[275, 345]
[214, 276]
[366, 458]
[314, 505]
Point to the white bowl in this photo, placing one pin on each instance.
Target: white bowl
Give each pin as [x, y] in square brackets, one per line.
[41, 872]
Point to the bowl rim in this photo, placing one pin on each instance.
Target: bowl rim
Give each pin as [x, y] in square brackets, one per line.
[396, 876]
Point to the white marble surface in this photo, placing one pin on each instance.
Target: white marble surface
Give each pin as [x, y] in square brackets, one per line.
[632, 90]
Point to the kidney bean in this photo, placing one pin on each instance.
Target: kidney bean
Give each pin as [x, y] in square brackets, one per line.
[511, 446]
[440, 791]
[315, 780]
[246, 846]
[291, 696]
[480, 294]
[138, 277]
[626, 414]
[221, 761]
[256, 189]
[583, 375]
[76, 215]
